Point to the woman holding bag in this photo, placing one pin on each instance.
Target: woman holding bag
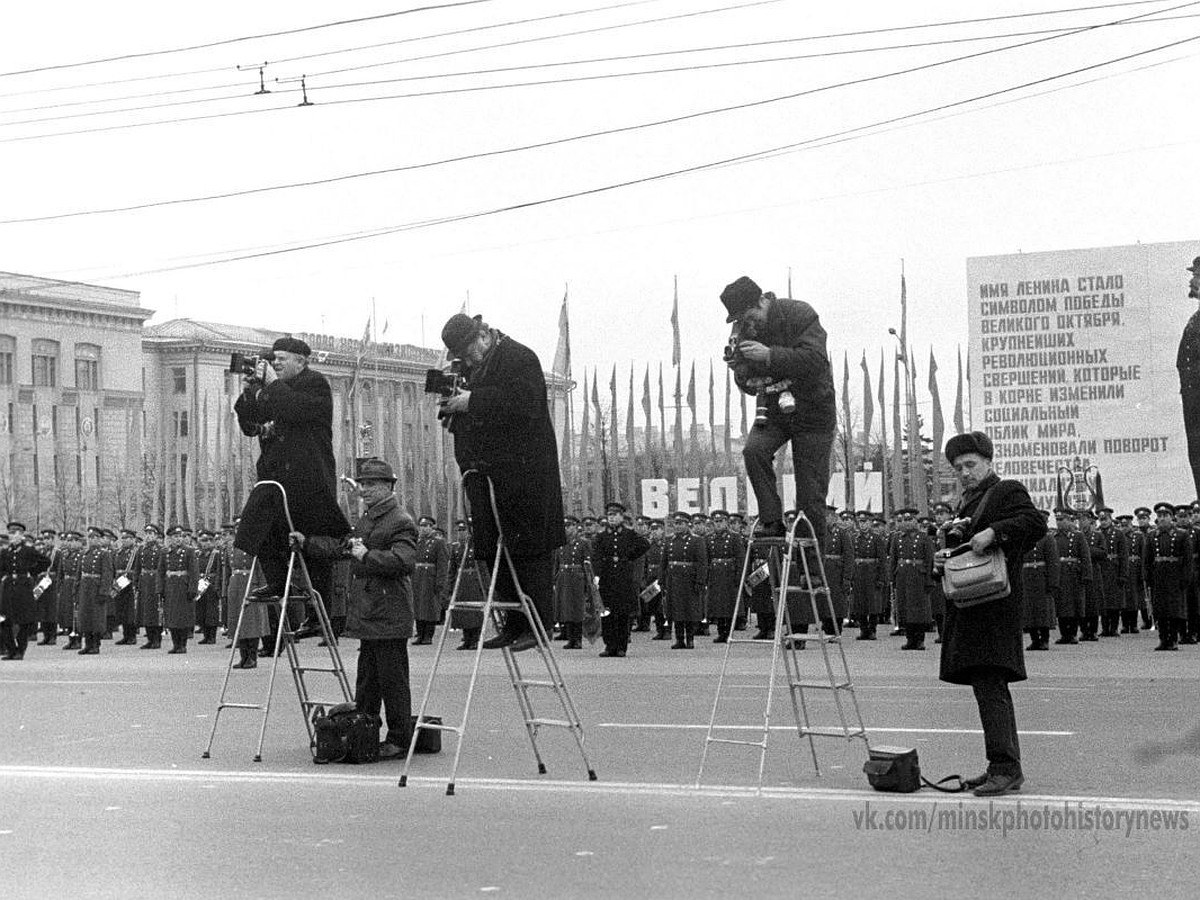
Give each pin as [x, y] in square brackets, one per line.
[982, 643]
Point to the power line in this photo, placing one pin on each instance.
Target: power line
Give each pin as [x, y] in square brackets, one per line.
[540, 144]
[418, 94]
[754, 156]
[242, 39]
[426, 37]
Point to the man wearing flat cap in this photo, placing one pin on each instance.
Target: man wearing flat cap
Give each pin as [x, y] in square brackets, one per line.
[502, 431]
[778, 353]
[984, 644]
[289, 408]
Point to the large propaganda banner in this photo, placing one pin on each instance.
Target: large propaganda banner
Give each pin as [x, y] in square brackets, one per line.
[1073, 364]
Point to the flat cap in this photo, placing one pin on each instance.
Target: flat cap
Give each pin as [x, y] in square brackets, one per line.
[969, 442]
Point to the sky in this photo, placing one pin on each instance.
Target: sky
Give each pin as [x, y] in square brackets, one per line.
[832, 144]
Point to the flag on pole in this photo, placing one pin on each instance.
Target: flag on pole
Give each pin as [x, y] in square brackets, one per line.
[916, 450]
[662, 411]
[728, 420]
[847, 430]
[562, 355]
[647, 410]
[868, 405]
[359, 356]
[883, 443]
[614, 457]
[691, 401]
[600, 470]
[712, 411]
[846, 395]
[585, 435]
[939, 425]
[897, 453]
[678, 417]
[675, 350]
[630, 452]
[903, 311]
[958, 400]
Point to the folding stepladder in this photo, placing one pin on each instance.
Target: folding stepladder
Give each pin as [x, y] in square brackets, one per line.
[297, 586]
[785, 645]
[491, 609]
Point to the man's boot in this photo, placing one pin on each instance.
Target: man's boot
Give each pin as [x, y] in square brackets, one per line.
[914, 636]
[49, 634]
[701, 629]
[74, 641]
[680, 637]
[723, 626]
[574, 632]
[210, 635]
[470, 639]
[1166, 635]
[689, 630]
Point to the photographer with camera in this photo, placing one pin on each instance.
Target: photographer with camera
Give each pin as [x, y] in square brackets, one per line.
[379, 610]
[982, 644]
[501, 425]
[777, 353]
[289, 408]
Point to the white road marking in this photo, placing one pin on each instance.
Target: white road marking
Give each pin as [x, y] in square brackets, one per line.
[45, 682]
[324, 777]
[669, 726]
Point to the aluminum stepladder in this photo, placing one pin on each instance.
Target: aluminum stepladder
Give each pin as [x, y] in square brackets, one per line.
[297, 586]
[785, 645]
[491, 609]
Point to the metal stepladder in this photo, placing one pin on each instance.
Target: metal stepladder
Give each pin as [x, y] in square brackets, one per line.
[785, 645]
[491, 609]
[297, 586]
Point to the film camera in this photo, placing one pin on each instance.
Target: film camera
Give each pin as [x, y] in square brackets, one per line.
[764, 386]
[244, 363]
[445, 383]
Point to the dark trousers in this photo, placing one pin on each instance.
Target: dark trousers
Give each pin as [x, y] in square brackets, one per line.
[999, 720]
[614, 628]
[1191, 428]
[383, 680]
[536, 574]
[810, 457]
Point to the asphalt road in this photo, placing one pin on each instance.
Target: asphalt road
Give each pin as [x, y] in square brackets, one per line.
[106, 794]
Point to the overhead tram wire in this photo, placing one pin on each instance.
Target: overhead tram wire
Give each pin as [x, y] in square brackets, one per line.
[411, 95]
[758, 155]
[507, 150]
[828, 36]
[225, 42]
[424, 37]
[696, 67]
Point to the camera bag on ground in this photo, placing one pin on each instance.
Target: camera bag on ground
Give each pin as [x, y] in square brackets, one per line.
[897, 770]
[429, 740]
[345, 734]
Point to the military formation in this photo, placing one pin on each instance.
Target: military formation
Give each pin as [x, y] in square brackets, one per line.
[1095, 575]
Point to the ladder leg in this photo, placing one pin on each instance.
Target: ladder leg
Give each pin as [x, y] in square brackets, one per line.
[237, 634]
[526, 706]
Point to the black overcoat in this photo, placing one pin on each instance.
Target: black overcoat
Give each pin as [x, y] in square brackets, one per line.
[298, 453]
[506, 433]
[613, 553]
[20, 568]
[989, 634]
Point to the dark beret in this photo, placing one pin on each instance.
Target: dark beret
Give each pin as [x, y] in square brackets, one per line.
[970, 442]
[459, 331]
[289, 344]
[739, 296]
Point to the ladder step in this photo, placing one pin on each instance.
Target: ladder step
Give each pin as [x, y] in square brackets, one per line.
[531, 682]
[832, 731]
[713, 740]
[496, 604]
[331, 671]
[821, 685]
[557, 723]
[241, 706]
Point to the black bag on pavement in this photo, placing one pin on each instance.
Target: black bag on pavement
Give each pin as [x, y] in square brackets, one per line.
[429, 740]
[345, 734]
[897, 770]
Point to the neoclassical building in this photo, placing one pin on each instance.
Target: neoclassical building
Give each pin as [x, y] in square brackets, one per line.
[109, 420]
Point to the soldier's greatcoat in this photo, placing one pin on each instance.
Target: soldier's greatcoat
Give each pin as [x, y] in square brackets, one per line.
[1040, 581]
[1074, 574]
[469, 579]
[570, 580]
[684, 576]
[20, 567]
[911, 567]
[95, 588]
[726, 554]
[429, 580]
[146, 566]
[178, 573]
[867, 578]
[1169, 570]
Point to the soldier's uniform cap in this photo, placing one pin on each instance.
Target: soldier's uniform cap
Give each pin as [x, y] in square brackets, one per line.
[1142, 511]
[96, 530]
[229, 526]
[614, 506]
[375, 469]
[1183, 508]
[1195, 266]
[863, 514]
[907, 511]
[699, 517]
[153, 528]
[176, 529]
[942, 506]
[205, 533]
[15, 526]
[1106, 509]
[458, 332]
[718, 514]
[656, 523]
[48, 532]
[1163, 506]
[427, 520]
[289, 344]
[128, 532]
[1124, 517]
[570, 520]
[460, 524]
[681, 516]
[1064, 512]
[739, 296]
[1088, 511]
[589, 520]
